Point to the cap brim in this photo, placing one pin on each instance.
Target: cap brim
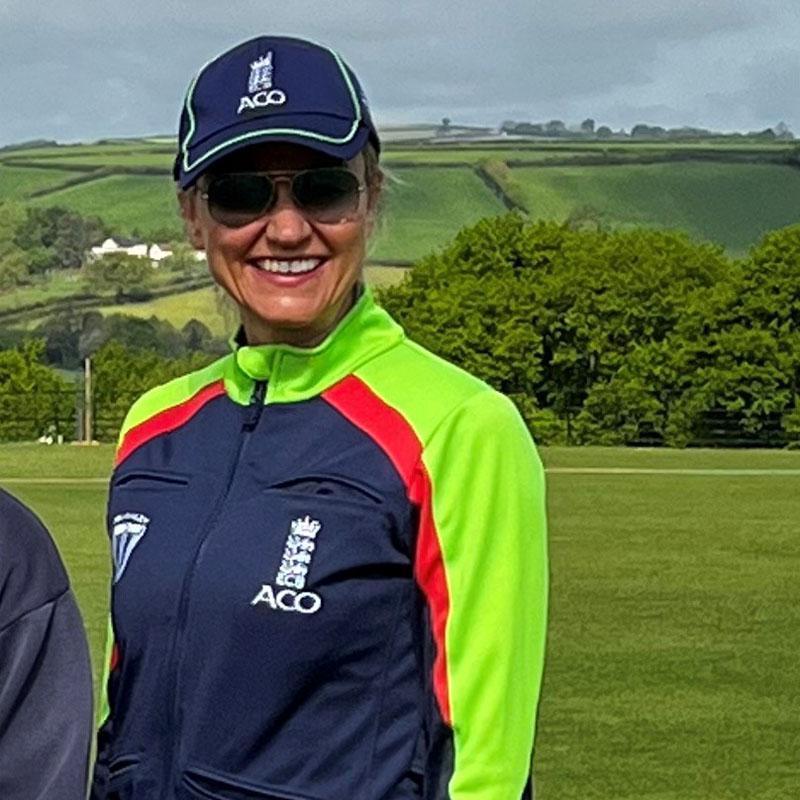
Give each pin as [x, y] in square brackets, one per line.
[334, 136]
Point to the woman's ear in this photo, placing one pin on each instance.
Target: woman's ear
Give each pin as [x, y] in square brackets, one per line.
[188, 200]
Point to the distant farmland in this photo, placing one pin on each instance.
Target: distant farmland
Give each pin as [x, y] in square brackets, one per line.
[727, 192]
[425, 207]
[142, 204]
[734, 204]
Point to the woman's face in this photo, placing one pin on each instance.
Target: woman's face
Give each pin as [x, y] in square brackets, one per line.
[299, 309]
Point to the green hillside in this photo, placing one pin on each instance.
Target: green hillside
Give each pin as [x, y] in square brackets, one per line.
[712, 189]
[128, 160]
[426, 207]
[127, 203]
[734, 204]
[16, 183]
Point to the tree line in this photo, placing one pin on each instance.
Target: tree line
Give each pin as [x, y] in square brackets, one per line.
[589, 129]
[599, 336]
[605, 337]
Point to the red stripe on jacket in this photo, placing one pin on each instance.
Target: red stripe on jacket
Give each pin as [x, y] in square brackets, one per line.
[391, 432]
[167, 420]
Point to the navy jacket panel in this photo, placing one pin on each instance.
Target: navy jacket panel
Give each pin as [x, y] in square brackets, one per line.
[265, 620]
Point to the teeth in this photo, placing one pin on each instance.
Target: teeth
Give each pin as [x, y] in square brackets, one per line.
[292, 267]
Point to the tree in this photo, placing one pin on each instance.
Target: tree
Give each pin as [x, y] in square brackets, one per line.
[587, 126]
[197, 336]
[555, 127]
[34, 399]
[183, 259]
[642, 131]
[599, 328]
[604, 132]
[13, 264]
[121, 374]
[128, 276]
[57, 238]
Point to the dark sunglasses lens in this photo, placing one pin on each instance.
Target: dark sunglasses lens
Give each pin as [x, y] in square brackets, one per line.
[236, 200]
[326, 195]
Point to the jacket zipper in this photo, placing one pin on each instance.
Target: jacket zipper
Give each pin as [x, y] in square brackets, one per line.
[252, 415]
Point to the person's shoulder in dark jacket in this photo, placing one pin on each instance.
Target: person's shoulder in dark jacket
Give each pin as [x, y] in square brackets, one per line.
[45, 677]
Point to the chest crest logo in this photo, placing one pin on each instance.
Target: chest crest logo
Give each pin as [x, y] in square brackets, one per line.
[127, 531]
[293, 571]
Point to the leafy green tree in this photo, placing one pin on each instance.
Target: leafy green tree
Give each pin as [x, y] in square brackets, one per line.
[57, 238]
[34, 400]
[121, 374]
[184, 259]
[196, 335]
[580, 324]
[128, 276]
[13, 264]
[153, 334]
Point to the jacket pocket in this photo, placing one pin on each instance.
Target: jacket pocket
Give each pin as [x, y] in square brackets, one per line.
[152, 479]
[337, 487]
[129, 780]
[203, 784]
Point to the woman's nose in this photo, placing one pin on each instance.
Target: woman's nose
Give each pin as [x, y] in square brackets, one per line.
[287, 226]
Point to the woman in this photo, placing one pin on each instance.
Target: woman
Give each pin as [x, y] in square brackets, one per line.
[330, 570]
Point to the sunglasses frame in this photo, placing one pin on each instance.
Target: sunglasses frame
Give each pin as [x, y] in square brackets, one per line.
[288, 177]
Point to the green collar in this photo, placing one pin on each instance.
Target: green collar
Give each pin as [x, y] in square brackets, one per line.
[298, 373]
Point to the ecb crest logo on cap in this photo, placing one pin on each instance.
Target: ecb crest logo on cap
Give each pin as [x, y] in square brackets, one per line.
[260, 74]
[260, 88]
[127, 531]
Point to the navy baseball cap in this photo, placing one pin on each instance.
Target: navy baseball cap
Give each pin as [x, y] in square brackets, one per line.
[271, 88]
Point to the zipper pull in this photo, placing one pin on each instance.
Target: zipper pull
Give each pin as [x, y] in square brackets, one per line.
[256, 405]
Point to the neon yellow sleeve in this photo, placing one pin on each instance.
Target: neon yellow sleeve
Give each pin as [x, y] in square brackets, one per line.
[488, 508]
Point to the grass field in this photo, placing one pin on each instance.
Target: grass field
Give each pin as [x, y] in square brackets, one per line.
[17, 182]
[731, 204]
[129, 160]
[127, 203]
[672, 667]
[426, 207]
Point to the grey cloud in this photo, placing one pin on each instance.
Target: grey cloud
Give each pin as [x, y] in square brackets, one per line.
[88, 69]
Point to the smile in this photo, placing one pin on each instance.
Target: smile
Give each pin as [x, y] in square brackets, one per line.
[293, 266]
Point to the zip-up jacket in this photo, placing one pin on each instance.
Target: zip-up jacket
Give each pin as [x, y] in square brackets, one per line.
[45, 677]
[330, 580]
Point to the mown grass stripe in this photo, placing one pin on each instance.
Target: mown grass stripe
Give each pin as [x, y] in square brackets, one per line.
[726, 473]
[55, 481]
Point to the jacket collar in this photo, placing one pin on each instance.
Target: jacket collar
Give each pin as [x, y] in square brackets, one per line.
[298, 373]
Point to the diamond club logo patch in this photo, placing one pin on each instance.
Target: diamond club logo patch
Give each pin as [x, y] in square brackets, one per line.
[127, 531]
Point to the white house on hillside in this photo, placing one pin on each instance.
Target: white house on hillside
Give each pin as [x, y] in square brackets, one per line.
[132, 247]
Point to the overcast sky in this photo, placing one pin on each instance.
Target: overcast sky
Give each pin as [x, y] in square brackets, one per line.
[88, 69]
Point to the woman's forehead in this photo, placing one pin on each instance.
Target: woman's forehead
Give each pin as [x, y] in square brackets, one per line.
[274, 156]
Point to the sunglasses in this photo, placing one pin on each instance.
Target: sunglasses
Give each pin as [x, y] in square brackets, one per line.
[325, 194]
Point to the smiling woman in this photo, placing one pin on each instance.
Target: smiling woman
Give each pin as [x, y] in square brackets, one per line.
[330, 559]
[289, 250]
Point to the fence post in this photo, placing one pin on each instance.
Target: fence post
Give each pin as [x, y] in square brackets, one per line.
[87, 400]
